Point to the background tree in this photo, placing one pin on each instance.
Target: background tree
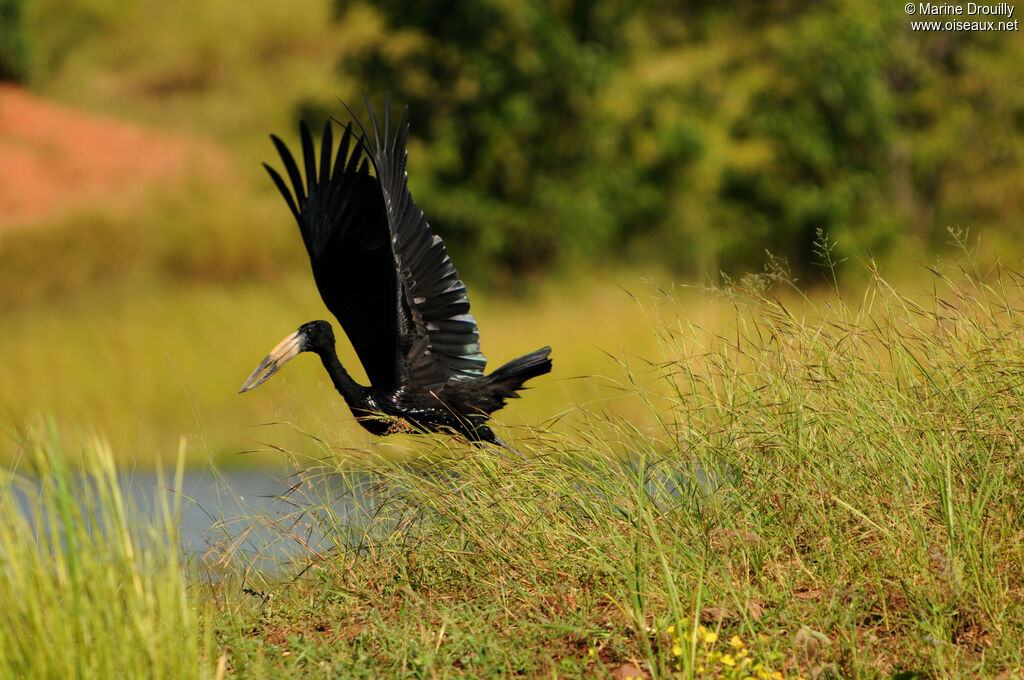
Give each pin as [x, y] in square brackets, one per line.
[696, 133]
[13, 48]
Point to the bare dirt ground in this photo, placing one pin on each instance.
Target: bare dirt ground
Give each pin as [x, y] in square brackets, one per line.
[54, 158]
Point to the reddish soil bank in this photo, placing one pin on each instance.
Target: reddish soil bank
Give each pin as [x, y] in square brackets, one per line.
[54, 158]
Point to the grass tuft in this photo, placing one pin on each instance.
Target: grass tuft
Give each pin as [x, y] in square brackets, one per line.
[86, 589]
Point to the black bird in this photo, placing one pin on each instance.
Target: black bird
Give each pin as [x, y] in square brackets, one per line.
[390, 283]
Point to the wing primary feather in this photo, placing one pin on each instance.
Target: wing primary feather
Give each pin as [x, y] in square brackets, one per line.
[387, 122]
[307, 154]
[401, 138]
[326, 147]
[292, 168]
[373, 125]
[358, 162]
[352, 114]
[283, 188]
[342, 159]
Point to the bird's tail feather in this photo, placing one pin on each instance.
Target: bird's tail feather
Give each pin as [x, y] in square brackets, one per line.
[512, 375]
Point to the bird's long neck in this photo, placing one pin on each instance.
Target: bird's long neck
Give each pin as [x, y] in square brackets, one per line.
[354, 394]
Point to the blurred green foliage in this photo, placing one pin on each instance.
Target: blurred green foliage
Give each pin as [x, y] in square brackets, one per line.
[13, 48]
[701, 134]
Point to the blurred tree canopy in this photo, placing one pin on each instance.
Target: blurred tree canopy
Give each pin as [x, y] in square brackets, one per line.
[697, 133]
[13, 50]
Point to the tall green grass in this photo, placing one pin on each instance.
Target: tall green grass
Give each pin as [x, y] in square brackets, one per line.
[91, 586]
[828, 488]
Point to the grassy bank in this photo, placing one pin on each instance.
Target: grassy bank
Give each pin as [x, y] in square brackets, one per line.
[818, 488]
[827, 491]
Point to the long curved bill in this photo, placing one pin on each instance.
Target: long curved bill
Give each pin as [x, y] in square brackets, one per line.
[278, 357]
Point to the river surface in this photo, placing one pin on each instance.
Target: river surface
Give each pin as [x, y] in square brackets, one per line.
[256, 517]
[229, 521]
[280, 523]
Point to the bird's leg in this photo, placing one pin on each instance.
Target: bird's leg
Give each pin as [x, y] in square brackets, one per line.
[494, 441]
[478, 434]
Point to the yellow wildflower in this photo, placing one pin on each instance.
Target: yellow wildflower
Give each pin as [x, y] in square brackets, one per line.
[735, 642]
[728, 660]
[671, 630]
[677, 650]
[710, 638]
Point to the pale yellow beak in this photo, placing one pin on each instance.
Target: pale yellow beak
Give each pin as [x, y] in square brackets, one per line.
[286, 349]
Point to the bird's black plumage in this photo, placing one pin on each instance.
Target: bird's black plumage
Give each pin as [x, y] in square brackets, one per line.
[391, 284]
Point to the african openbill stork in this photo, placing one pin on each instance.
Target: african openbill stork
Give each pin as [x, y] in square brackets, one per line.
[388, 280]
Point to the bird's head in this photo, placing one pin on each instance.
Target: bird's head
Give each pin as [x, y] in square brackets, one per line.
[309, 338]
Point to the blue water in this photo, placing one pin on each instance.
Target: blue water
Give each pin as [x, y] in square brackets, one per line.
[258, 518]
[235, 521]
[282, 523]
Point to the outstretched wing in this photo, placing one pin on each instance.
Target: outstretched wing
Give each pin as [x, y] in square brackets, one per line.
[438, 338]
[342, 218]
